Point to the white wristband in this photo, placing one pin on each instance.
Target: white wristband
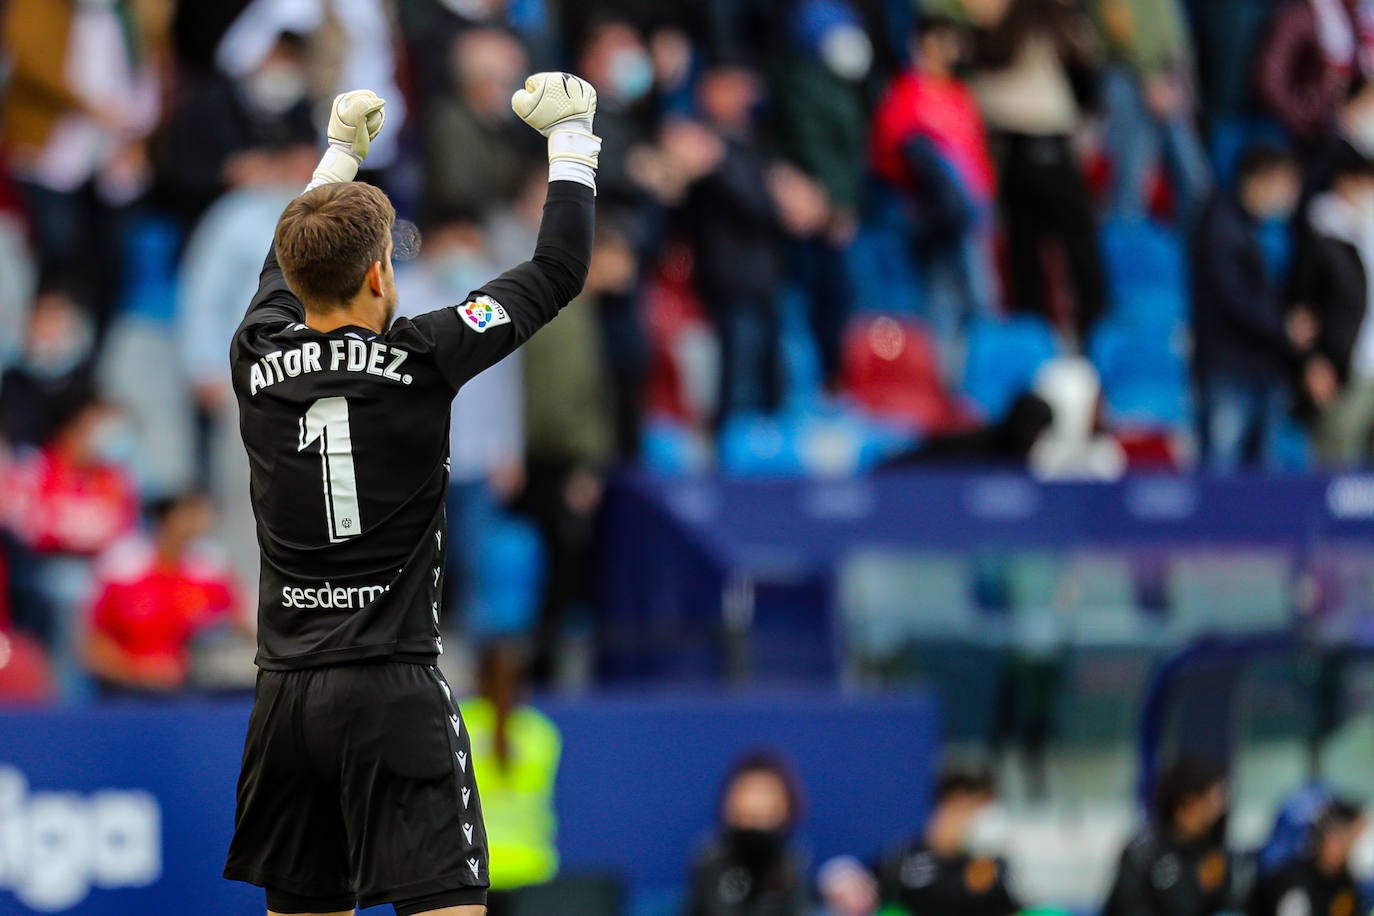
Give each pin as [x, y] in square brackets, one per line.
[573, 153]
[337, 164]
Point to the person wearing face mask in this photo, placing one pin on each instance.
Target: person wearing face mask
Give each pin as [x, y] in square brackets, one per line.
[1176, 865]
[55, 362]
[955, 867]
[236, 133]
[750, 868]
[1246, 341]
[1319, 882]
[1332, 277]
[616, 60]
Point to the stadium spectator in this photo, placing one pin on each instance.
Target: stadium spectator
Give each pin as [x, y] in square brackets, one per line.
[741, 210]
[154, 593]
[1007, 443]
[955, 866]
[516, 749]
[1331, 278]
[750, 867]
[1313, 51]
[1244, 342]
[82, 97]
[1319, 881]
[818, 91]
[847, 888]
[616, 61]
[1034, 76]
[237, 133]
[473, 160]
[486, 433]
[18, 268]
[1148, 89]
[569, 442]
[1353, 137]
[929, 142]
[54, 364]
[1176, 864]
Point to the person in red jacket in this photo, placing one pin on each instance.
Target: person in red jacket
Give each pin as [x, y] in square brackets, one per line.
[929, 142]
[154, 594]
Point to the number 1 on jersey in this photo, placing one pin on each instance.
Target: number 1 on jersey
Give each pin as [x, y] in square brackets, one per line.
[327, 422]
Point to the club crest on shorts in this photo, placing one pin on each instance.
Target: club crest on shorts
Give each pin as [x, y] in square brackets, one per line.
[483, 312]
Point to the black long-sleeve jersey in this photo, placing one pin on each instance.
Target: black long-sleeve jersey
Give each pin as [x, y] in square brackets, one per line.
[347, 435]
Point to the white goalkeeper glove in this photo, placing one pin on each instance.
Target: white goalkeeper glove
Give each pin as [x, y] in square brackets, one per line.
[561, 107]
[355, 120]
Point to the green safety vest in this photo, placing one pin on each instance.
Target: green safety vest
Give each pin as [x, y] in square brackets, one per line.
[517, 802]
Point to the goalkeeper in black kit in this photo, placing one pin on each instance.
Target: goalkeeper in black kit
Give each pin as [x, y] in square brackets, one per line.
[357, 786]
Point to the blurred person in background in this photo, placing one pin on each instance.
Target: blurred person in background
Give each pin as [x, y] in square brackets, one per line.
[18, 268]
[516, 748]
[1332, 273]
[955, 867]
[429, 27]
[230, 133]
[1353, 137]
[1245, 341]
[820, 127]
[617, 62]
[54, 364]
[1034, 76]
[1148, 89]
[1075, 446]
[750, 867]
[474, 149]
[1006, 443]
[1176, 864]
[569, 443]
[154, 593]
[742, 209]
[1313, 51]
[486, 431]
[846, 888]
[1319, 881]
[929, 142]
[82, 97]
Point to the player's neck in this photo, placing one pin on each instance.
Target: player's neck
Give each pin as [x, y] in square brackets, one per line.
[352, 314]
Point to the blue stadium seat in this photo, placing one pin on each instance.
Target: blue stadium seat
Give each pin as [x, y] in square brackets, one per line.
[513, 580]
[1147, 273]
[757, 445]
[1144, 375]
[670, 448]
[1003, 357]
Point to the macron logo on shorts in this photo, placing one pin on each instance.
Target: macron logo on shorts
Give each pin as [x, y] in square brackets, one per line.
[483, 312]
[467, 793]
[467, 832]
[472, 864]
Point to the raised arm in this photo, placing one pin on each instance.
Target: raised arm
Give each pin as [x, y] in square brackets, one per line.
[496, 319]
[355, 119]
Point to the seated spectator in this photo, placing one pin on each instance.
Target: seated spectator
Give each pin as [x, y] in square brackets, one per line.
[55, 364]
[750, 868]
[847, 888]
[1176, 865]
[232, 133]
[929, 142]
[153, 595]
[516, 749]
[1313, 50]
[1032, 60]
[1244, 344]
[1319, 881]
[1074, 447]
[954, 867]
[473, 160]
[1148, 88]
[1334, 264]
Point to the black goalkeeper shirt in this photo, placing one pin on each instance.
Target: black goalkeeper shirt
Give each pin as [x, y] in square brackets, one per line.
[347, 434]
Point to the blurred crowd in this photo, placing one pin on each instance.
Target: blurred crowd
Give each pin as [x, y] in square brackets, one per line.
[1082, 236]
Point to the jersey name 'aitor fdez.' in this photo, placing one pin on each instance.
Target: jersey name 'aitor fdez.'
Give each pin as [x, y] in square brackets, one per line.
[347, 438]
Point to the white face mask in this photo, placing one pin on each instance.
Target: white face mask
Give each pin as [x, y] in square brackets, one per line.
[1360, 133]
[275, 90]
[988, 832]
[847, 51]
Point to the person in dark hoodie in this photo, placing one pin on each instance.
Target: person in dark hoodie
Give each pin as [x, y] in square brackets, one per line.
[1176, 864]
[1319, 882]
[1331, 277]
[1245, 342]
[749, 868]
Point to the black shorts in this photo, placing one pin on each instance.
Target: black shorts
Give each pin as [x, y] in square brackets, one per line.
[357, 784]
